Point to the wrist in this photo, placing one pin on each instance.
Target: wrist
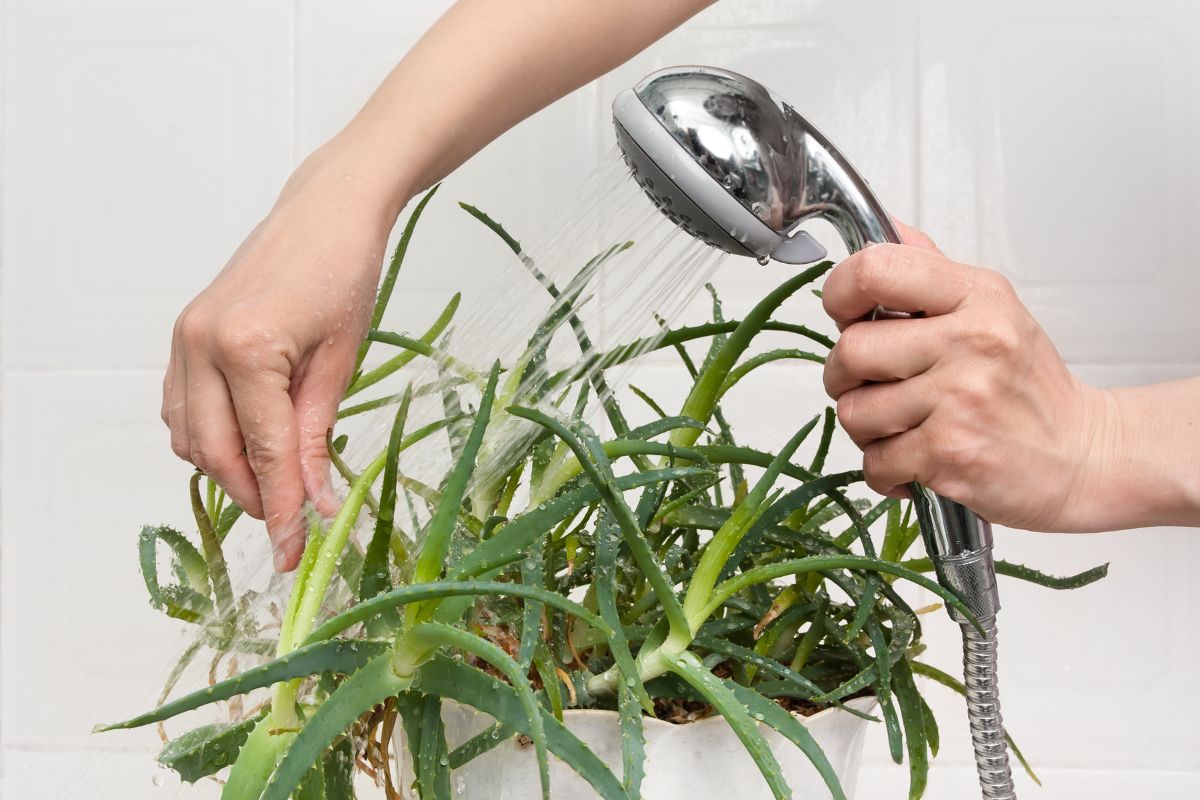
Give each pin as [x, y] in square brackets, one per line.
[1138, 467]
[1159, 441]
[349, 177]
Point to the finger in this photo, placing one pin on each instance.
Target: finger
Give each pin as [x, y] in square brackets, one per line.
[897, 277]
[268, 424]
[167, 387]
[884, 350]
[890, 464]
[915, 238]
[174, 409]
[316, 394]
[216, 442]
[880, 410]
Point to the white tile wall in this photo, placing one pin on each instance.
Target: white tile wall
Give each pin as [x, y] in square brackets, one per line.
[141, 140]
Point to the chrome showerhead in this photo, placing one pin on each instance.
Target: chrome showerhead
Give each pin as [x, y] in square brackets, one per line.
[738, 168]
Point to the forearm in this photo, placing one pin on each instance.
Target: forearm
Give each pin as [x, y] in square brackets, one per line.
[483, 67]
[1153, 478]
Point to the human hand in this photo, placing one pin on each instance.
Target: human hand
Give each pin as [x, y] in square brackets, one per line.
[972, 399]
[260, 358]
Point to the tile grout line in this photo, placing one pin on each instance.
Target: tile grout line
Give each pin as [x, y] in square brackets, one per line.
[293, 73]
[4, 21]
[918, 117]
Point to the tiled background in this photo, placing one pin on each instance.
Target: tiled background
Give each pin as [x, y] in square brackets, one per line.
[1057, 141]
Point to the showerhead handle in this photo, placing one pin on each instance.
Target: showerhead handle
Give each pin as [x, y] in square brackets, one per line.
[958, 541]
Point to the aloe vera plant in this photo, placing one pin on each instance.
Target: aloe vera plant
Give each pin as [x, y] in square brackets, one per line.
[553, 568]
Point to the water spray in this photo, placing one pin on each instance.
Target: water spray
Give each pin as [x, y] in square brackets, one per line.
[739, 169]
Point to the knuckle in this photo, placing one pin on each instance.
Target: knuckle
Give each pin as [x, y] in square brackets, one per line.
[876, 268]
[265, 459]
[192, 328]
[244, 341]
[849, 412]
[999, 340]
[876, 469]
[208, 461]
[845, 411]
[852, 349]
[953, 449]
[968, 395]
[181, 448]
[995, 282]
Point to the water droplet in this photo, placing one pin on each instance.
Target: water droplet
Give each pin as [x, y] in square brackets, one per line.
[758, 716]
[158, 780]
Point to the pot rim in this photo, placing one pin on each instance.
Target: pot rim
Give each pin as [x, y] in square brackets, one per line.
[862, 703]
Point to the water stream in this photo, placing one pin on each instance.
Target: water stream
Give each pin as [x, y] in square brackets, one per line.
[648, 271]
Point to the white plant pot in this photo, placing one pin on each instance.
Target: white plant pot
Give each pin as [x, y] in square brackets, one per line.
[701, 760]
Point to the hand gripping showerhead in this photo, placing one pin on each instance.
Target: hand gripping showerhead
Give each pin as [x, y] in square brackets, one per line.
[741, 170]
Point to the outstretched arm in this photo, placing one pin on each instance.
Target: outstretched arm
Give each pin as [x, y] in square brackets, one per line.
[259, 359]
[974, 401]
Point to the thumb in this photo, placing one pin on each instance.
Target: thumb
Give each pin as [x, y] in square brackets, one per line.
[913, 237]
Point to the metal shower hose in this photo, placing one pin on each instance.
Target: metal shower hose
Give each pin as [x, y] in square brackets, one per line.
[983, 710]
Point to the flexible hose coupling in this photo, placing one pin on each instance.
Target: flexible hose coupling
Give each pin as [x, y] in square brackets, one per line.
[959, 542]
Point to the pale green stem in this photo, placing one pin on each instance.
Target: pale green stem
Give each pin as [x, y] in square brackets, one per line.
[316, 571]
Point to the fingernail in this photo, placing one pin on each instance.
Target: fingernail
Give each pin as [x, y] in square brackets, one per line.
[327, 500]
[281, 559]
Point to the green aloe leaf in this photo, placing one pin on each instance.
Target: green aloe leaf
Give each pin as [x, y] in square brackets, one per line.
[339, 771]
[313, 785]
[432, 559]
[591, 456]
[633, 739]
[384, 294]
[605, 582]
[730, 706]
[916, 738]
[510, 541]
[773, 715]
[340, 656]
[707, 388]
[749, 365]
[376, 576]
[673, 338]
[400, 360]
[371, 685]
[205, 750]
[1021, 572]
[433, 769]
[229, 515]
[480, 743]
[829, 562]
[955, 685]
[799, 497]
[447, 636]
[532, 574]
[716, 556]
[419, 592]
[190, 602]
[445, 677]
[256, 761]
[805, 688]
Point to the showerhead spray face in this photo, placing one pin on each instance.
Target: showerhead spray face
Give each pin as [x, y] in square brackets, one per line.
[739, 169]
